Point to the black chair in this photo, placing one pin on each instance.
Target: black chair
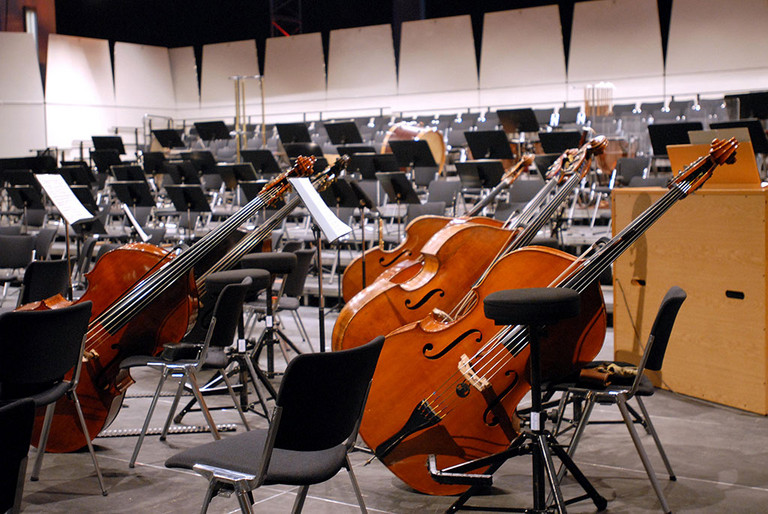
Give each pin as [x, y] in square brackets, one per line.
[183, 360]
[588, 390]
[43, 279]
[56, 338]
[43, 242]
[16, 419]
[17, 253]
[630, 167]
[313, 427]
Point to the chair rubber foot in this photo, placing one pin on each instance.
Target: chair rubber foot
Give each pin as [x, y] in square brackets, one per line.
[104, 493]
[34, 479]
[601, 504]
[672, 478]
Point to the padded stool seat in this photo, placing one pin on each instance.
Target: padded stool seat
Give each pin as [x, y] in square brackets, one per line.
[531, 306]
[260, 280]
[275, 262]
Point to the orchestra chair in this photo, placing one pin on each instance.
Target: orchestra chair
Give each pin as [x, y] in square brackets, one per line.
[630, 167]
[291, 292]
[10, 230]
[184, 360]
[43, 279]
[16, 421]
[586, 393]
[44, 240]
[446, 191]
[18, 252]
[314, 426]
[56, 338]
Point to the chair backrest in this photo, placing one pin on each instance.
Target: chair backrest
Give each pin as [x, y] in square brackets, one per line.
[37, 348]
[648, 182]
[294, 282]
[629, 167]
[322, 396]
[43, 279]
[662, 328]
[43, 242]
[525, 190]
[17, 251]
[227, 314]
[10, 230]
[16, 421]
[414, 210]
[443, 191]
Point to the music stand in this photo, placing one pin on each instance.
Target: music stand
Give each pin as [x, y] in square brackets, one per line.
[263, 161]
[515, 121]
[363, 202]
[340, 194]
[153, 162]
[181, 172]
[353, 149]
[559, 141]
[134, 193]
[103, 159]
[398, 188]
[293, 133]
[108, 143]
[202, 160]
[188, 198]
[38, 164]
[489, 144]
[232, 174]
[663, 134]
[343, 133]
[363, 163]
[543, 163]
[84, 195]
[24, 191]
[488, 172]
[212, 130]
[78, 174]
[127, 172]
[293, 150]
[169, 138]
[756, 132]
[413, 154]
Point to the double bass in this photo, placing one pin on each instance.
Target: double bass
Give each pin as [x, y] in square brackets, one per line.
[417, 233]
[451, 388]
[453, 261]
[143, 297]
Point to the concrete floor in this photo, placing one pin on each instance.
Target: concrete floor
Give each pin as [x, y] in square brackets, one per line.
[720, 456]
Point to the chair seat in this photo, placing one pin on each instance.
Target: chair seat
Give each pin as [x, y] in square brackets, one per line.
[645, 387]
[242, 453]
[47, 395]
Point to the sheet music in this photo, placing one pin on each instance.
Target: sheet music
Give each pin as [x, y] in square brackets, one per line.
[333, 228]
[63, 198]
[143, 235]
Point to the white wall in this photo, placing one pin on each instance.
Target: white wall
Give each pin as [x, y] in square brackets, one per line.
[522, 60]
[21, 96]
[617, 41]
[80, 97]
[717, 47]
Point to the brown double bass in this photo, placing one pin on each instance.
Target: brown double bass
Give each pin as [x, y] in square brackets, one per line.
[143, 297]
[450, 388]
[454, 260]
[417, 233]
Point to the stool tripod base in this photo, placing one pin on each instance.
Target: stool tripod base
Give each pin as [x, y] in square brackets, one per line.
[541, 445]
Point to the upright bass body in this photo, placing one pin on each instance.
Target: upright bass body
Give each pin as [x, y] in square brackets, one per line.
[419, 358]
[102, 384]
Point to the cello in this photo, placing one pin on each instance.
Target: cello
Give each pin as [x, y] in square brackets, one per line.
[448, 269]
[450, 388]
[143, 297]
[417, 233]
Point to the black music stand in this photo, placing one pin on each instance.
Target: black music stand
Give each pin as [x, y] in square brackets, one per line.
[293, 133]
[169, 138]
[84, 195]
[127, 172]
[354, 149]
[363, 163]
[24, 191]
[212, 130]
[515, 121]
[343, 133]
[77, 175]
[398, 188]
[134, 193]
[489, 144]
[363, 202]
[203, 161]
[341, 194]
[37, 164]
[232, 174]
[181, 172]
[263, 161]
[664, 134]
[188, 198]
[109, 143]
[153, 162]
[413, 154]
[104, 159]
[559, 141]
[486, 173]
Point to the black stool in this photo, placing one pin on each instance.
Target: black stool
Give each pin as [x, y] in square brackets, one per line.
[533, 308]
[276, 263]
[214, 283]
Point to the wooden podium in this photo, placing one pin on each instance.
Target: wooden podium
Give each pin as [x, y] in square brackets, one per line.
[714, 245]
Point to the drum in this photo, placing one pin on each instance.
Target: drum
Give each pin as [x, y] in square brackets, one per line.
[409, 131]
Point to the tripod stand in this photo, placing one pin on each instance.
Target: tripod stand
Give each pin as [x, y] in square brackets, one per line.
[534, 308]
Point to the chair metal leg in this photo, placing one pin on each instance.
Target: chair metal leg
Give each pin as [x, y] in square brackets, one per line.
[355, 486]
[235, 400]
[174, 406]
[656, 439]
[43, 441]
[144, 428]
[301, 496]
[244, 500]
[88, 441]
[203, 406]
[621, 401]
